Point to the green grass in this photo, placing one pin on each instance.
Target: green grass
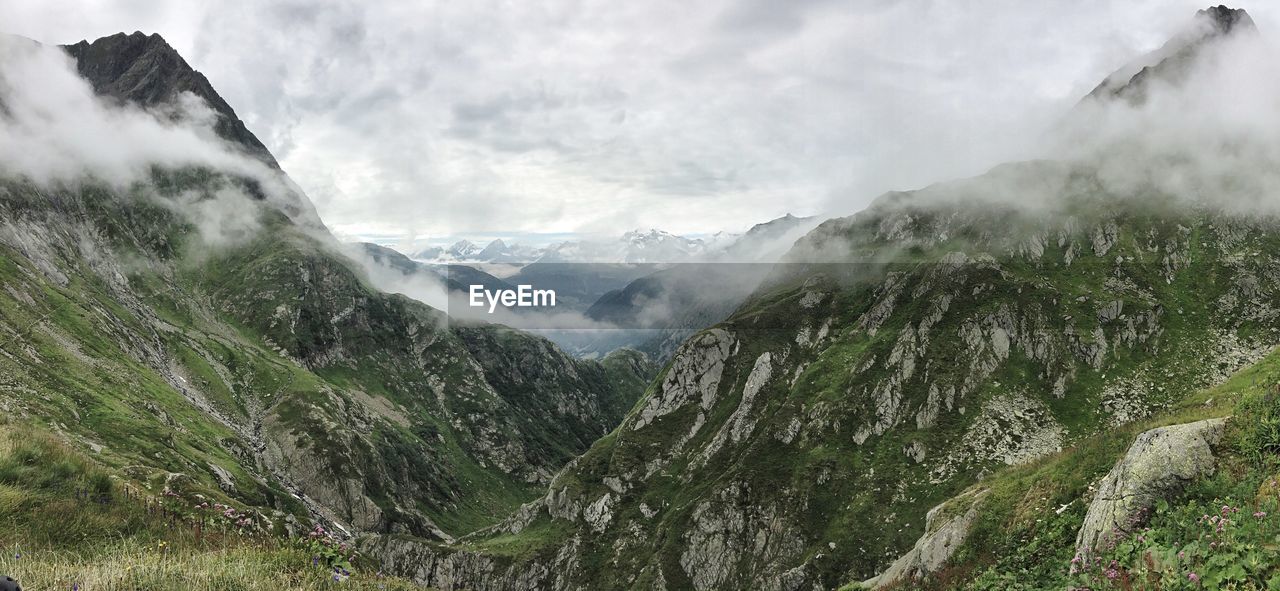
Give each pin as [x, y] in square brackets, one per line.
[1025, 534]
[70, 523]
[131, 566]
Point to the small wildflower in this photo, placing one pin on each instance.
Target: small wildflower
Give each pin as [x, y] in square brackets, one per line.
[1194, 578]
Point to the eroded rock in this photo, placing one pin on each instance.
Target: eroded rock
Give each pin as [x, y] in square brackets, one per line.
[1158, 464]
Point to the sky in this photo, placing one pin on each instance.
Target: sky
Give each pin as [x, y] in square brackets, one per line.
[430, 121]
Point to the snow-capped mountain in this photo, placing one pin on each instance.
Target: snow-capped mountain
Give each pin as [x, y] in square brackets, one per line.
[463, 249]
[466, 251]
[640, 246]
[636, 246]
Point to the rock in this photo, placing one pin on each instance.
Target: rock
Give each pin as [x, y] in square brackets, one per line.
[944, 532]
[225, 482]
[734, 543]
[177, 483]
[449, 568]
[600, 513]
[694, 375]
[915, 450]
[1011, 429]
[1158, 464]
[742, 422]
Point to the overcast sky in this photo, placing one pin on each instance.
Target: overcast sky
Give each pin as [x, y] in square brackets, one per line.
[446, 119]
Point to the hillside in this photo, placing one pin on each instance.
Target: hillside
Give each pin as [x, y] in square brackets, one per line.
[1060, 373]
[860, 413]
[969, 338]
[199, 324]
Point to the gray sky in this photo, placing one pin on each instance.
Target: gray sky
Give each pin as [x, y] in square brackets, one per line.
[484, 118]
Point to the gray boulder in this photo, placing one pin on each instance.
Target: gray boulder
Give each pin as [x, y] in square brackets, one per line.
[1158, 464]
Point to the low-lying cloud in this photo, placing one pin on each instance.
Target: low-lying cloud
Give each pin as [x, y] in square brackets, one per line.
[56, 132]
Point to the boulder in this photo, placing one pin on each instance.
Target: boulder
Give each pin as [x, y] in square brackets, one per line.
[1158, 464]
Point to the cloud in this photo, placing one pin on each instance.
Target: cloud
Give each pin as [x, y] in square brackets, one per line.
[55, 132]
[463, 118]
[1212, 136]
[54, 127]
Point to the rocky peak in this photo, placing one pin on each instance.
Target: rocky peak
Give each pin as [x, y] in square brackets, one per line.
[1226, 20]
[146, 71]
[1172, 61]
[463, 248]
[495, 248]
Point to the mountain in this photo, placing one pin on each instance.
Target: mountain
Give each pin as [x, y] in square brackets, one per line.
[430, 253]
[766, 242]
[143, 70]
[261, 369]
[1171, 62]
[941, 390]
[634, 247]
[456, 278]
[1057, 374]
[669, 305]
[462, 250]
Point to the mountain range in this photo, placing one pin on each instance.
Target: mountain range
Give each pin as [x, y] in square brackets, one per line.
[1059, 374]
[634, 247]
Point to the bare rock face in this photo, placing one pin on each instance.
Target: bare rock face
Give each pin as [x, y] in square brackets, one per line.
[144, 70]
[1159, 463]
[945, 529]
[695, 375]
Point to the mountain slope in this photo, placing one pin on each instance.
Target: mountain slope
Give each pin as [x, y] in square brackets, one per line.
[262, 368]
[903, 355]
[975, 335]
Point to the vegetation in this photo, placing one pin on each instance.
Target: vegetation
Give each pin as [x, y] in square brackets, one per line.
[1222, 532]
[71, 524]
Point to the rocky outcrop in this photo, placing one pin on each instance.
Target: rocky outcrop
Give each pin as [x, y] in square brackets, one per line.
[732, 541]
[450, 569]
[1158, 464]
[694, 376]
[946, 527]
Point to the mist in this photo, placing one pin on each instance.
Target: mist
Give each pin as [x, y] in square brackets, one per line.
[55, 132]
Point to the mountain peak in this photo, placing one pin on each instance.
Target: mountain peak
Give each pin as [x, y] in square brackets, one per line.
[1172, 61]
[145, 70]
[1226, 20]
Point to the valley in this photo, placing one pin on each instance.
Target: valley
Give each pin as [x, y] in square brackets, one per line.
[1058, 374]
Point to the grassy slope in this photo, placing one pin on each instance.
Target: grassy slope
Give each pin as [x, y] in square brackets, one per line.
[1025, 534]
[69, 358]
[72, 524]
